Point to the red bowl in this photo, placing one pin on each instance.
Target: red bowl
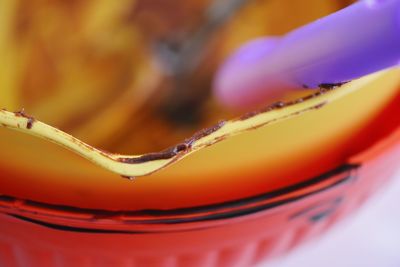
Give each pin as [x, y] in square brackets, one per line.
[235, 233]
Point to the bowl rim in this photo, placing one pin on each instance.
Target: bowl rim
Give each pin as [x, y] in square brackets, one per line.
[125, 221]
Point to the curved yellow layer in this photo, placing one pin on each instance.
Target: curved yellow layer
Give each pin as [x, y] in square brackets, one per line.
[140, 165]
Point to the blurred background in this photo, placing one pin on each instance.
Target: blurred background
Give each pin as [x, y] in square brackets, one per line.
[131, 73]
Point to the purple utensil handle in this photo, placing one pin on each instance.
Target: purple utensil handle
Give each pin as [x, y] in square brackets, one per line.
[358, 40]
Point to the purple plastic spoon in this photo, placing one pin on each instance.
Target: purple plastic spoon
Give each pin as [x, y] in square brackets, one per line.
[358, 40]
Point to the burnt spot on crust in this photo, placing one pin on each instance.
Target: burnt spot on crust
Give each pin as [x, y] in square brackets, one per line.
[166, 154]
[205, 132]
[249, 115]
[331, 85]
[130, 178]
[277, 105]
[281, 104]
[30, 122]
[181, 147]
[320, 105]
[175, 150]
[30, 119]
